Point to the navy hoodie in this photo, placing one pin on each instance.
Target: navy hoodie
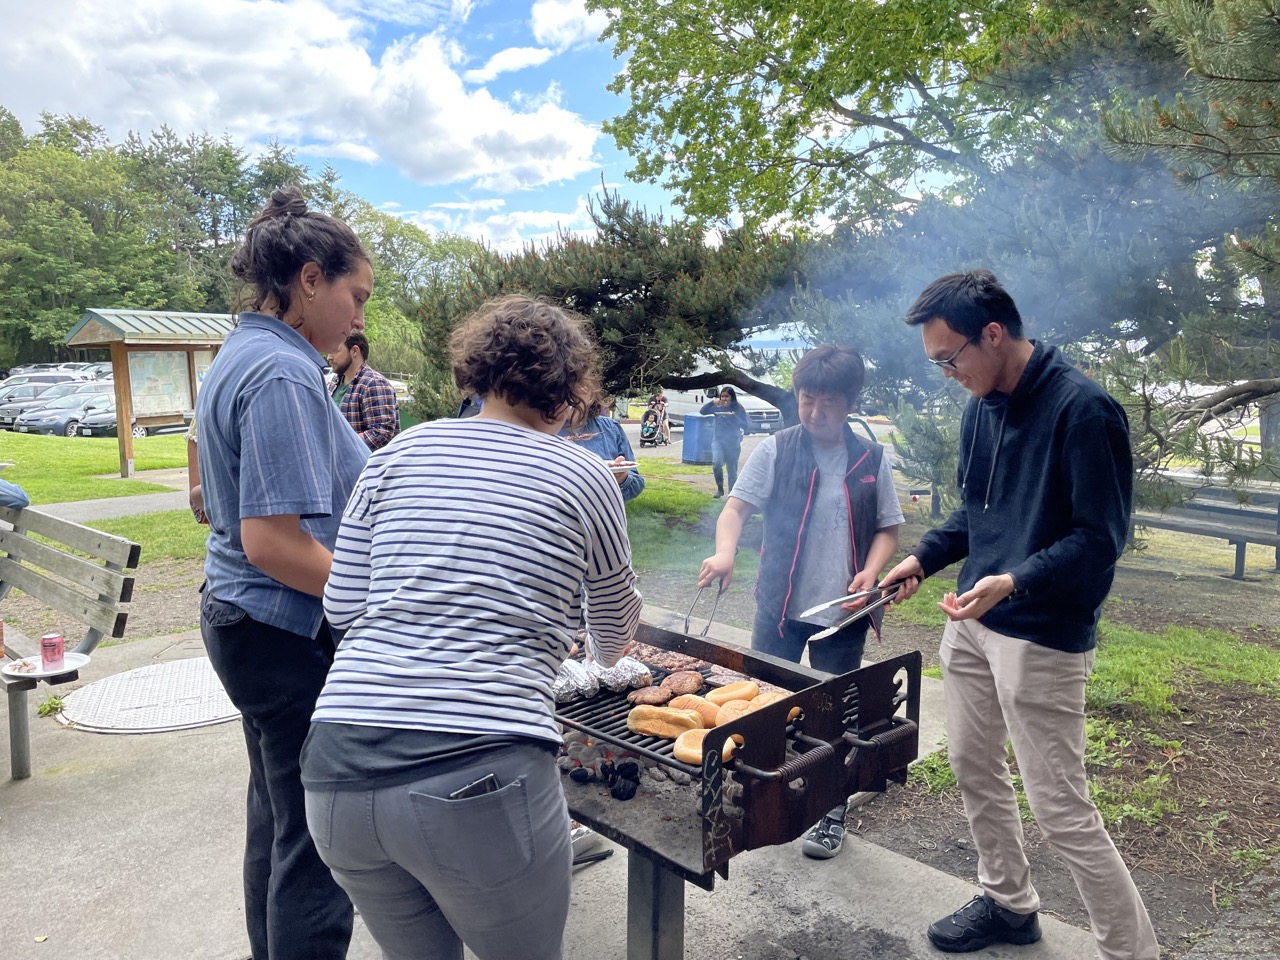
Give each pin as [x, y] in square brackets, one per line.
[1046, 482]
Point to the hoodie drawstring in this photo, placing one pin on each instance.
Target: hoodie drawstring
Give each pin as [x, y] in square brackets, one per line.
[995, 455]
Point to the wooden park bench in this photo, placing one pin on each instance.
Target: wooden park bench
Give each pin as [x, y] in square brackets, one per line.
[1239, 526]
[82, 573]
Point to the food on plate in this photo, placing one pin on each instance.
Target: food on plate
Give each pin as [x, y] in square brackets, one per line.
[23, 666]
[683, 681]
[688, 747]
[653, 696]
[742, 690]
[691, 701]
[732, 711]
[662, 721]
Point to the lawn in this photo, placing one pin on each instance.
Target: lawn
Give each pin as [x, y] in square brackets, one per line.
[59, 469]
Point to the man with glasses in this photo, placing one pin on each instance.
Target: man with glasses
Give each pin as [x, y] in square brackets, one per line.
[1046, 478]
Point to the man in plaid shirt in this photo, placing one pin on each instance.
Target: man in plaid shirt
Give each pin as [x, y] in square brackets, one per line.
[365, 397]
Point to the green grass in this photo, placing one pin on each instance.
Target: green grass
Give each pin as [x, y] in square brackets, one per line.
[59, 469]
[1142, 671]
[922, 609]
[172, 534]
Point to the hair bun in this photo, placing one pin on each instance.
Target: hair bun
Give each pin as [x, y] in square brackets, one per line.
[286, 202]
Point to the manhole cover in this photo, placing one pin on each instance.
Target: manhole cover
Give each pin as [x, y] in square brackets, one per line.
[176, 695]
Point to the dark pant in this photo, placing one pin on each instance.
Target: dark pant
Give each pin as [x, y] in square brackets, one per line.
[725, 453]
[293, 907]
[839, 653]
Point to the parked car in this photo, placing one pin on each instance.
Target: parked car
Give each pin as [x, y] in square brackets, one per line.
[61, 416]
[40, 376]
[24, 397]
[21, 391]
[101, 422]
[102, 371]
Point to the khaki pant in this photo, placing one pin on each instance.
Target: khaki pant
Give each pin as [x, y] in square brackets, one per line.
[1000, 688]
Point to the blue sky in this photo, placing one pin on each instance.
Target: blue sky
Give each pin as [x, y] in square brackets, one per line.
[477, 117]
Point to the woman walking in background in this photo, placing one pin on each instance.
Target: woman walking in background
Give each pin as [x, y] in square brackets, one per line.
[277, 462]
[466, 560]
[731, 422]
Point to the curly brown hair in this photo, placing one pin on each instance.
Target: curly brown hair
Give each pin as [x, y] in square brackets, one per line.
[529, 352]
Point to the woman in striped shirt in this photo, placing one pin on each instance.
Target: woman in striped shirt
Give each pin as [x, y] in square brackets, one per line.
[466, 557]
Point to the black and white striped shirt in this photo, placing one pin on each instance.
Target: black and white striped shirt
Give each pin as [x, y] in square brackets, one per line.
[466, 556]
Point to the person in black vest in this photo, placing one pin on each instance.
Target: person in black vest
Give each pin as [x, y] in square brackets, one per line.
[831, 517]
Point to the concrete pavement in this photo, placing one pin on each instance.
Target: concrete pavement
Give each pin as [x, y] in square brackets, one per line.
[127, 847]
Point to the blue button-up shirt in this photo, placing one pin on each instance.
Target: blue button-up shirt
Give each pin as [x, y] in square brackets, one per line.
[271, 443]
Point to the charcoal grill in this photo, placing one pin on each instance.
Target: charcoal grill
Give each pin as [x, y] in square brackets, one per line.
[855, 732]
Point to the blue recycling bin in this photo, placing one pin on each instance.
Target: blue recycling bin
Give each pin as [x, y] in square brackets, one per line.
[698, 431]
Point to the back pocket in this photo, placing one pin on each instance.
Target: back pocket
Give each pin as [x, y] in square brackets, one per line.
[483, 841]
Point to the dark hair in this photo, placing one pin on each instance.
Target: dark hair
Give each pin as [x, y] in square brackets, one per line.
[733, 394]
[830, 369]
[356, 338]
[967, 302]
[528, 352]
[283, 238]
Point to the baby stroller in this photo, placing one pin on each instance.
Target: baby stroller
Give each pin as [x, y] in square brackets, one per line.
[651, 429]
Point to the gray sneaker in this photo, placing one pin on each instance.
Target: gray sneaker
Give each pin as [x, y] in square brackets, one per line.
[824, 840]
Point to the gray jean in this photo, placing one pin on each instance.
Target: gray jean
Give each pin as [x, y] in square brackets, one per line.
[429, 874]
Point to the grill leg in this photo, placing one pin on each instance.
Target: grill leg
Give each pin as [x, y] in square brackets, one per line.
[655, 911]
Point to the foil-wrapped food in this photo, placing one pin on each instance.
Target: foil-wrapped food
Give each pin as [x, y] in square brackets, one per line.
[574, 682]
[627, 674]
[578, 680]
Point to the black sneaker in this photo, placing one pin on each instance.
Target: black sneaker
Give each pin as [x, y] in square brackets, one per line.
[718, 494]
[980, 923]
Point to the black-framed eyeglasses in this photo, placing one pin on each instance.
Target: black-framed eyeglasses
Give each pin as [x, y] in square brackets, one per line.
[950, 362]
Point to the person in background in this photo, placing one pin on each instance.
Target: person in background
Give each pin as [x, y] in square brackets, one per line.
[659, 404]
[13, 496]
[195, 495]
[1046, 480]
[464, 565]
[603, 436]
[731, 422]
[831, 517]
[277, 463]
[365, 397]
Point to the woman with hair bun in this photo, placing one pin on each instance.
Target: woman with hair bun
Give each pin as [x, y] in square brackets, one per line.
[277, 464]
[467, 557]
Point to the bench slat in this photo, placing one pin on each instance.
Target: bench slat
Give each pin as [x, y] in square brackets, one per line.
[106, 546]
[1206, 528]
[94, 613]
[81, 572]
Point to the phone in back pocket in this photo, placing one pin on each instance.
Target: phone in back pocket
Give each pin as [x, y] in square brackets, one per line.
[486, 784]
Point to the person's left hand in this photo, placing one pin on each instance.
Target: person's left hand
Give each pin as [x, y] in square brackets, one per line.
[984, 595]
[864, 580]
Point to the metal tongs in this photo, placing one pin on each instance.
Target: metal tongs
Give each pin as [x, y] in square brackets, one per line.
[710, 619]
[890, 591]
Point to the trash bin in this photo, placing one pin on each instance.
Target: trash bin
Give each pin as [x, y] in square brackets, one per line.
[698, 431]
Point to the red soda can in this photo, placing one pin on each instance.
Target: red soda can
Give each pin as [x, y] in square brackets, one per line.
[52, 655]
[1, 638]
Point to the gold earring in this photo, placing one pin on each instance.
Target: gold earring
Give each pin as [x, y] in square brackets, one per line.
[311, 296]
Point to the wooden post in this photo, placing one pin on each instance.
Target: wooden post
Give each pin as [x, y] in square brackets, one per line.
[124, 406]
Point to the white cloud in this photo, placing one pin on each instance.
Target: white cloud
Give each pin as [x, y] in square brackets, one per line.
[507, 61]
[297, 70]
[563, 23]
[506, 230]
[409, 13]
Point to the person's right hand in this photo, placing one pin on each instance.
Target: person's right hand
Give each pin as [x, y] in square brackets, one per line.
[910, 573]
[716, 568]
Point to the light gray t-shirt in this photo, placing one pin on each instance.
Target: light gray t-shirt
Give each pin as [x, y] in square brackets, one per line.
[826, 567]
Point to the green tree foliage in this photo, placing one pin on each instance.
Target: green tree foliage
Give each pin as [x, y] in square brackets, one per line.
[661, 295]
